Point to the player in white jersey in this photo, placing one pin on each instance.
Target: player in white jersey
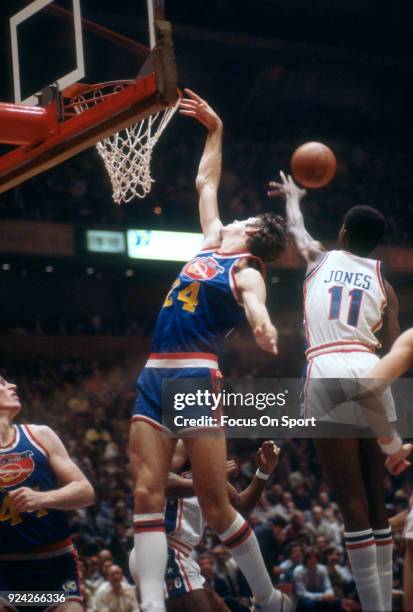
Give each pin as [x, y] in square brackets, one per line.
[185, 526]
[346, 304]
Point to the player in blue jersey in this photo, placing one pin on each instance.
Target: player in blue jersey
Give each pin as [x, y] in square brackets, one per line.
[218, 289]
[38, 483]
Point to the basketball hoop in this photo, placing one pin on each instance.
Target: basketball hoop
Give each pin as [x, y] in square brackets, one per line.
[126, 154]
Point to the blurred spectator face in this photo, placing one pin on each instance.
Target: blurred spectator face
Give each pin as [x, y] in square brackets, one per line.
[305, 542]
[207, 566]
[320, 543]
[286, 499]
[277, 490]
[333, 556]
[278, 533]
[323, 499]
[329, 514]
[254, 520]
[121, 510]
[104, 555]
[317, 513]
[93, 565]
[311, 562]
[221, 554]
[115, 576]
[83, 568]
[298, 519]
[105, 567]
[296, 554]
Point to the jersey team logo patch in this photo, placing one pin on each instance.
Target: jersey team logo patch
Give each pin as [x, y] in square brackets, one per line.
[202, 268]
[15, 468]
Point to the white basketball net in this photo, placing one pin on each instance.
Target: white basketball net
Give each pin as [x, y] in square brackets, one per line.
[127, 154]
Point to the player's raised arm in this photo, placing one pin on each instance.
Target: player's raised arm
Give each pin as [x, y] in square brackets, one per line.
[388, 369]
[209, 171]
[310, 249]
[75, 491]
[252, 291]
[267, 461]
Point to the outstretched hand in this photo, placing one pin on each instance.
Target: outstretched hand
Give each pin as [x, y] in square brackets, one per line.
[266, 337]
[397, 463]
[194, 106]
[287, 188]
[268, 456]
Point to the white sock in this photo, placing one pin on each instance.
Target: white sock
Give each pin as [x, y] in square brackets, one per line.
[384, 547]
[361, 550]
[243, 546]
[149, 560]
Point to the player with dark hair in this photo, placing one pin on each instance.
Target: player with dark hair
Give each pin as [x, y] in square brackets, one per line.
[219, 288]
[364, 228]
[38, 482]
[346, 303]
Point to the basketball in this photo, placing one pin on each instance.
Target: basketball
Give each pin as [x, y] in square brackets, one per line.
[313, 165]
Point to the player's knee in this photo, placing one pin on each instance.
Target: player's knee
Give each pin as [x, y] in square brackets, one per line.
[147, 499]
[215, 509]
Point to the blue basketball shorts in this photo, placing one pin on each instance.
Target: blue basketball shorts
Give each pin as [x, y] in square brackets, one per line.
[164, 368]
[55, 574]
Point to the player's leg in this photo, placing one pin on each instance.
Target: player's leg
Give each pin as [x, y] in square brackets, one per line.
[197, 600]
[408, 563]
[150, 454]
[341, 460]
[208, 456]
[408, 576]
[373, 470]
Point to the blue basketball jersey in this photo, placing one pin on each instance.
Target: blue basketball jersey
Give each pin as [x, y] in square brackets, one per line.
[25, 463]
[202, 306]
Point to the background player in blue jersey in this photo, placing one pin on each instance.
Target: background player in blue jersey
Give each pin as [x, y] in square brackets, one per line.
[214, 292]
[38, 482]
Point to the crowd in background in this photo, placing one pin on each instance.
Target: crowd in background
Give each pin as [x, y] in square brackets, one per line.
[79, 190]
[297, 521]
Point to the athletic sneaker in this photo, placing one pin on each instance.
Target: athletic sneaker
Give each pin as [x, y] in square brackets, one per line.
[275, 604]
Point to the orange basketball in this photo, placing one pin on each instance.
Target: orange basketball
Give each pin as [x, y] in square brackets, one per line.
[313, 164]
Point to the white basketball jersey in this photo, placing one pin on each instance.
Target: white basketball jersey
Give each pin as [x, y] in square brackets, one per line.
[184, 522]
[344, 299]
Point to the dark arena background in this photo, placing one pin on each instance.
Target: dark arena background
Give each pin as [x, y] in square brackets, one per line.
[77, 312]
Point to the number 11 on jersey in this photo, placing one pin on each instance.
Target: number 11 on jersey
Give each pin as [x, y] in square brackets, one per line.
[356, 296]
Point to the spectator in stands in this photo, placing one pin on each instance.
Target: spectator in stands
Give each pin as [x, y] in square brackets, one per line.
[340, 576]
[301, 497]
[320, 546]
[207, 565]
[286, 506]
[227, 570]
[318, 524]
[312, 586]
[115, 595]
[294, 557]
[271, 538]
[296, 526]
